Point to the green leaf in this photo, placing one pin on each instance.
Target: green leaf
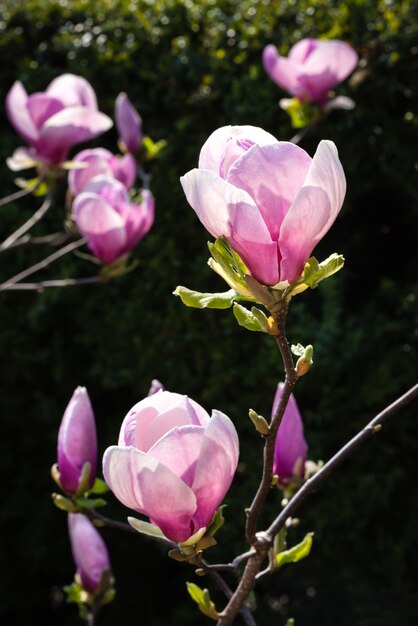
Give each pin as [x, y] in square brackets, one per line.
[295, 554]
[315, 272]
[199, 300]
[63, 503]
[145, 528]
[99, 487]
[90, 503]
[217, 522]
[298, 349]
[202, 599]
[153, 148]
[247, 319]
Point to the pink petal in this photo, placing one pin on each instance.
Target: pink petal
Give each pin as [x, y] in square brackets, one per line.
[291, 447]
[18, 113]
[212, 152]
[69, 127]
[302, 49]
[283, 71]
[97, 162]
[101, 225]
[139, 219]
[179, 450]
[124, 169]
[313, 212]
[145, 485]
[215, 468]
[89, 550]
[41, 107]
[272, 176]
[73, 91]
[334, 57]
[159, 414]
[128, 122]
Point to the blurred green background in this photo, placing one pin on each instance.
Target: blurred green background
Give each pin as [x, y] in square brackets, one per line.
[189, 67]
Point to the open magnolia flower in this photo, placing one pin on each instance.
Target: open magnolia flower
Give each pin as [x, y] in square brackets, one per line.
[111, 223]
[311, 69]
[173, 463]
[269, 198]
[53, 121]
[101, 162]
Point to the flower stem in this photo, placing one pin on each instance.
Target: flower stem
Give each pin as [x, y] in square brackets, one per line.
[28, 224]
[18, 194]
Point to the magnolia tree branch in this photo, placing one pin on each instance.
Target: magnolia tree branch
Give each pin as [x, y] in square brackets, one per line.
[54, 239]
[27, 225]
[42, 264]
[268, 454]
[65, 282]
[249, 577]
[18, 194]
[312, 483]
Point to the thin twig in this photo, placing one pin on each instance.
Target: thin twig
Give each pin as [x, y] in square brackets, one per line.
[18, 194]
[301, 134]
[54, 239]
[28, 224]
[268, 455]
[312, 483]
[65, 282]
[42, 264]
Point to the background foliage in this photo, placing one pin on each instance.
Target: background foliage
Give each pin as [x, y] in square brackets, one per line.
[191, 66]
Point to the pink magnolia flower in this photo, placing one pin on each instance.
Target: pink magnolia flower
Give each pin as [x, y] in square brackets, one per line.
[54, 121]
[291, 448]
[101, 162]
[312, 68]
[89, 551]
[269, 198]
[77, 441]
[128, 123]
[173, 463]
[107, 218]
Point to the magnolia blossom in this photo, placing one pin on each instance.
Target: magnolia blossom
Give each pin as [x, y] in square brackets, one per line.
[128, 123]
[291, 448]
[312, 68]
[101, 162]
[89, 551]
[110, 222]
[173, 463]
[269, 198]
[77, 441]
[53, 121]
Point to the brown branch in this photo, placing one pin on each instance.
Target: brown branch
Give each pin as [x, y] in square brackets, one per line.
[28, 224]
[65, 282]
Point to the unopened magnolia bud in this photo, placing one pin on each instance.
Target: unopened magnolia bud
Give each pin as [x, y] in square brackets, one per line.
[272, 326]
[259, 422]
[304, 363]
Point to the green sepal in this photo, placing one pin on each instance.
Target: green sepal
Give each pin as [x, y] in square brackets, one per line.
[296, 553]
[314, 273]
[63, 503]
[145, 528]
[199, 300]
[254, 320]
[217, 522]
[39, 188]
[153, 148]
[290, 622]
[90, 503]
[202, 599]
[300, 114]
[99, 487]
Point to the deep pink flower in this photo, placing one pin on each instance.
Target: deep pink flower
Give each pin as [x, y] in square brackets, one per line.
[173, 463]
[107, 218]
[291, 448]
[101, 162]
[312, 68]
[128, 123]
[269, 198]
[77, 441]
[89, 551]
[54, 121]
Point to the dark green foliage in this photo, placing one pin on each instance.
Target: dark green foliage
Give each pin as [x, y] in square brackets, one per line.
[189, 67]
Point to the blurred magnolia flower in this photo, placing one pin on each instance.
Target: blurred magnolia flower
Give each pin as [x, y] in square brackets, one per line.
[89, 551]
[53, 121]
[107, 218]
[101, 162]
[173, 463]
[269, 198]
[77, 442]
[312, 68]
[128, 123]
[291, 448]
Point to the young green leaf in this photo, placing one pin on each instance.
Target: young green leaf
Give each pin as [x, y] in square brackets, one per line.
[202, 599]
[199, 300]
[295, 554]
[248, 320]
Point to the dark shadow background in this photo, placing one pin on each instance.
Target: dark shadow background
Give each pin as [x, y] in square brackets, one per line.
[191, 67]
